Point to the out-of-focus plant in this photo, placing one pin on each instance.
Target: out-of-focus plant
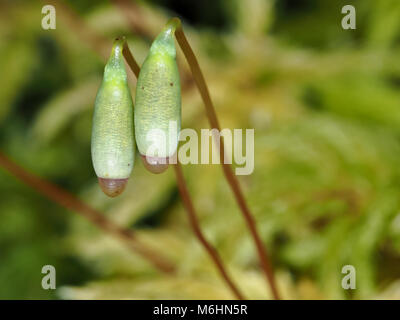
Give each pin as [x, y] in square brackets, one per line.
[323, 102]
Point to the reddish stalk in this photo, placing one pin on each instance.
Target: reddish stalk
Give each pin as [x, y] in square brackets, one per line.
[69, 201]
[187, 201]
[227, 169]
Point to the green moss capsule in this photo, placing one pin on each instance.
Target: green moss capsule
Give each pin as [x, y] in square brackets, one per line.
[113, 141]
[158, 103]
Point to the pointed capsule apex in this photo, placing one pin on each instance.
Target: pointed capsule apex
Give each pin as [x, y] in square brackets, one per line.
[118, 46]
[164, 43]
[155, 164]
[112, 187]
[115, 68]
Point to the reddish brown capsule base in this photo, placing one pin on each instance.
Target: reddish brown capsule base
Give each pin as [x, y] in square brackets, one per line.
[155, 164]
[112, 187]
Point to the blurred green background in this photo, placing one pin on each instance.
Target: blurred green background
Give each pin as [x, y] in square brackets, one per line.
[325, 106]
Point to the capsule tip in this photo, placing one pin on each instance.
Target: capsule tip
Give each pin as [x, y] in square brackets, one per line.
[112, 187]
[155, 164]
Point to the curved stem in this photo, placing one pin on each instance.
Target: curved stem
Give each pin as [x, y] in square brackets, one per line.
[130, 60]
[187, 202]
[69, 201]
[229, 175]
[187, 199]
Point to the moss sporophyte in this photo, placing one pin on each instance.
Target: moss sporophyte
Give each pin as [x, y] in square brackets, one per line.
[113, 143]
[158, 102]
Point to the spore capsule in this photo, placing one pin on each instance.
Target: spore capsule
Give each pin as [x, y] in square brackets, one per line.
[113, 143]
[158, 103]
